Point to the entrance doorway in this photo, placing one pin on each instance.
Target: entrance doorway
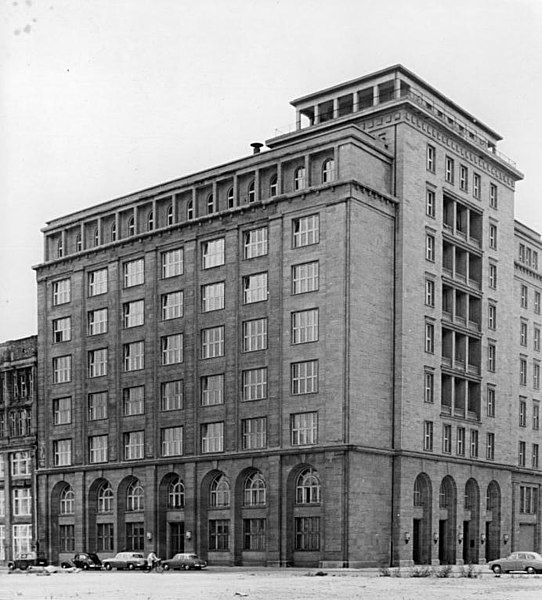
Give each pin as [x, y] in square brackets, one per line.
[176, 538]
[466, 542]
[417, 541]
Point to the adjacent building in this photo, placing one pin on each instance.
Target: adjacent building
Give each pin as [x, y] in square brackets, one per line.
[18, 396]
[310, 355]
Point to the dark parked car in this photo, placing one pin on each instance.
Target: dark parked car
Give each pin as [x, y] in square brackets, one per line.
[84, 560]
[530, 562]
[27, 559]
[184, 561]
[126, 560]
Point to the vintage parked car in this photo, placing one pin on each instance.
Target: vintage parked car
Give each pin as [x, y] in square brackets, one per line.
[84, 560]
[530, 562]
[125, 560]
[27, 559]
[184, 561]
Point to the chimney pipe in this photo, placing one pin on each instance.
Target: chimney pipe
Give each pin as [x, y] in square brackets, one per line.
[256, 146]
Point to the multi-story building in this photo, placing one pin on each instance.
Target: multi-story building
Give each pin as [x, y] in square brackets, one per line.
[18, 395]
[308, 355]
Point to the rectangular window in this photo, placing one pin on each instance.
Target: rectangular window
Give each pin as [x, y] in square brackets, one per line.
[537, 303]
[135, 536]
[430, 203]
[134, 272]
[305, 278]
[172, 263]
[212, 390]
[493, 236]
[490, 401]
[61, 292]
[522, 371]
[171, 440]
[523, 333]
[254, 535]
[2, 502]
[105, 537]
[62, 453]
[490, 446]
[305, 326]
[535, 456]
[212, 437]
[255, 288]
[521, 454]
[304, 377]
[447, 439]
[304, 428]
[255, 335]
[428, 436]
[476, 186]
[449, 170]
[20, 464]
[212, 342]
[134, 356]
[66, 538]
[133, 313]
[474, 443]
[491, 358]
[22, 539]
[536, 416]
[430, 292]
[306, 231]
[97, 448]
[62, 330]
[430, 338]
[219, 535]
[492, 316]
[463, 178]
[97, 406]
[62, 411]
[254, 433]
[212, 253]
[528, 500]
[133, 400]
[307, 533]
[172, 305]
[212, 296]
[493, 195]
[430, 247]
[171, 397]
[134, 445]
[254, 384]
[62, 369]
[255, 243]
[492, 276]
[22, 502]
[97, 321]
[536, 339]
[429, 391]
[524, 296]
[461, 441]
[97, 282]
[172, 349]
[536, 376]
[97, 362]
[430, 158]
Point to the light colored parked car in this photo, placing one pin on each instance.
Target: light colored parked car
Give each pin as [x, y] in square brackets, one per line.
[125, 560]
[184, 561]
[530, 562]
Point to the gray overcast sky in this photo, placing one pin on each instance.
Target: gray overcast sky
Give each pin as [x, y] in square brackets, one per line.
[99, 98]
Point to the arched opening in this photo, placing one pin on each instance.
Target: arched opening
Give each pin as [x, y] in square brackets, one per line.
[328, 170]
[171, 528]
[300, 178]
[131, 226]
[251, 192]
[231, 198]
[101, 525]
[170, 215]
[190, 210]
[215, 522]
[493, 521]
[150, 220]
[130, 515]
[421, 522]
[63, 519]
[273, 186]
[250, 517]
[471, 522]
[447, 521]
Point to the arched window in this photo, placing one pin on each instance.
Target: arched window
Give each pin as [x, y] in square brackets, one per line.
[417, 498]
[273, 186]
[445, 494]
[78, 243]
[231, 198]
[170, 220]
[219, 491]
[252, 192]
[300, 178]
[67, 501]
[96, 237]
[105, 498]
[328, 170]
[135, 500]
[255, 491]
[175, 494]
[307, 487]
[131, 226]
[150, 220]
[190, 210]
[114, 231]
[60, 247]
[210, 204]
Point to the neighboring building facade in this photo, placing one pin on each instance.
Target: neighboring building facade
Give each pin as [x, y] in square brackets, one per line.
[18, 399]
[303, 357]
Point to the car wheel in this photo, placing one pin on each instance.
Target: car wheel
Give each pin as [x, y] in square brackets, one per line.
[85, 567]
[530, 570]
[130, 567]
[496, 569]
[11, 566]
[165, 567]
[108, 567]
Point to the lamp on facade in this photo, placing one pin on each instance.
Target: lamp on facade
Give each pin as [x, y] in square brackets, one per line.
[483, 538]
[505, 538]
[407, 537]
[460, 537]
[188, 535]
[435, 538]
[149, 536]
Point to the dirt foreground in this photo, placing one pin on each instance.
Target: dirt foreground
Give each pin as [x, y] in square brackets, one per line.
[264, 584]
